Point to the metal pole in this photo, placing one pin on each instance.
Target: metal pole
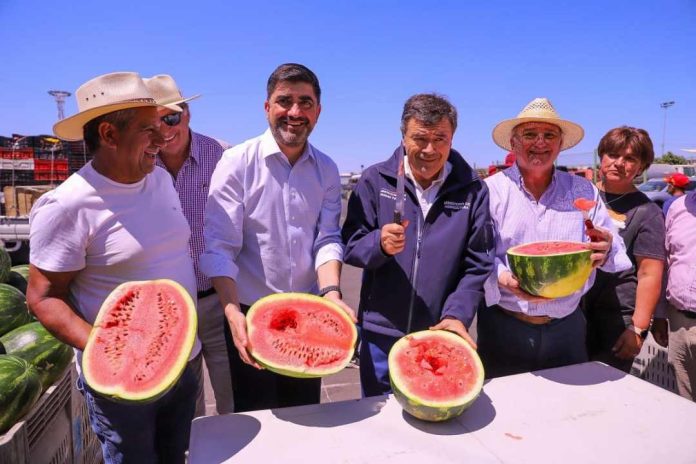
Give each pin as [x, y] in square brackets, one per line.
[665, 105]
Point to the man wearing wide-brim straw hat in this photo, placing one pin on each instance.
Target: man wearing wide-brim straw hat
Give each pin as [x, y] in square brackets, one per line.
[116, 220]
[191, 158]
[532, 201]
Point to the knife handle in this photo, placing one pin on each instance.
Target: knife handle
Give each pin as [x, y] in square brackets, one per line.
[397, 217]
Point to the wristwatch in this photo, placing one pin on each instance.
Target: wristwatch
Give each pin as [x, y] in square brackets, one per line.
[331, 288]
[642, 333]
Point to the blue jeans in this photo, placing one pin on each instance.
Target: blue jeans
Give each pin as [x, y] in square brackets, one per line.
[144, 433]
[509, 346]
[374, 366]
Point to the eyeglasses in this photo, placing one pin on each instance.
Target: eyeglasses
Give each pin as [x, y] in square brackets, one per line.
[172, 119]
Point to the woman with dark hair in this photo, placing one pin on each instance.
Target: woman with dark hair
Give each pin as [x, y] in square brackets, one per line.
[619, 307]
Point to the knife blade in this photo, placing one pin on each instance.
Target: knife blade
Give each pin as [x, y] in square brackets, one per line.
[399, 204]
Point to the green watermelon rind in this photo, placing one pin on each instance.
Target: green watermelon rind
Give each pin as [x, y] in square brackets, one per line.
[116, 392]
[554, 275]
[20, 389]
[5, 265]
[305, 373]
[434, 411]
[33, 343]
[13, 309]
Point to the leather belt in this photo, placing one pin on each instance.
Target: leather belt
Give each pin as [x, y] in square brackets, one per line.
[689, 314]
[203, 293]
[535, 320]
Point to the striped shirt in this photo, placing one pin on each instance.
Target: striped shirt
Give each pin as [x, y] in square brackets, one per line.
[192, 184]
[519, 218]
[680, 241]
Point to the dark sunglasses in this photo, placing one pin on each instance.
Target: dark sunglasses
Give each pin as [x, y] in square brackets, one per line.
[172, 119]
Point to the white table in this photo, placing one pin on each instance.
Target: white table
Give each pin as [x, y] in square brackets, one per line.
[587, 413]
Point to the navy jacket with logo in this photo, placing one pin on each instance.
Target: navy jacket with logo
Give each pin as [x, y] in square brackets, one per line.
[447, 258]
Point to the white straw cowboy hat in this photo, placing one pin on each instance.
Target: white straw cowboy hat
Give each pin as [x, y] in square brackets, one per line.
[538, 110]
[102, 95]
[166, 92]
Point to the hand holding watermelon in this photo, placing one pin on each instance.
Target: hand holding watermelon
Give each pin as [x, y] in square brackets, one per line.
[508, 281]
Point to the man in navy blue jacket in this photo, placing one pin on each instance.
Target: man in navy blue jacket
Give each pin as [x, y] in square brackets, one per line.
[428, 270]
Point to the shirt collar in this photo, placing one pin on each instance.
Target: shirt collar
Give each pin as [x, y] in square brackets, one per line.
[444, 172]
[195, 150]
[269, 147]
[516, 175]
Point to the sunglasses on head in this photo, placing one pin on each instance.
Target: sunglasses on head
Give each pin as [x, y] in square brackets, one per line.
[172, 119]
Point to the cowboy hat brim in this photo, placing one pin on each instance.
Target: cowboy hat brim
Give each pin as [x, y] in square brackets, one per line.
[572, 133]
[174, 105]
[72, 128]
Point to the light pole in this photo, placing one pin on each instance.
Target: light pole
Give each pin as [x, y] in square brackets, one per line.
[664, 106]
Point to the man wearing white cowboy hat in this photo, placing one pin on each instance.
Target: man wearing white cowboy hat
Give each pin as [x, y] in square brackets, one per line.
[118, 219]
[190, 158]
[533, 201]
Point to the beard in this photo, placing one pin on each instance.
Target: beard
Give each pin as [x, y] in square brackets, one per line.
[295, 137]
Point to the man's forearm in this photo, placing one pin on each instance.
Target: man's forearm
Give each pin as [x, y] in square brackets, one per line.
[62, 321]
[226, 289]
[329, 274]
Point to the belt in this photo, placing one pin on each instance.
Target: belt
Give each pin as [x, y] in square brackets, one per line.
[203, 293]
[689, 314]
[535, 320]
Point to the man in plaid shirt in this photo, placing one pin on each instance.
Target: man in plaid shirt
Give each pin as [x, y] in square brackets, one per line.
[191, 158]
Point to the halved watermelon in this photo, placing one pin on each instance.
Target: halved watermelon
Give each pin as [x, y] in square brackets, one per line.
[141, 340]
[300, 335]
[552, 269]
[435, 374]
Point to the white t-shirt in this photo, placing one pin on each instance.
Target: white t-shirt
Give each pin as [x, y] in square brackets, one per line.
[112, 233]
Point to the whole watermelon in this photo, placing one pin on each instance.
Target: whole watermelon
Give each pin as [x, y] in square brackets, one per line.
[33, 343]
[18, 281]
[20, 388]
[23, 270]
[13, 309]
[5, 264]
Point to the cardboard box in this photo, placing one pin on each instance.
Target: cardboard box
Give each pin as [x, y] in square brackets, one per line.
[19, 200]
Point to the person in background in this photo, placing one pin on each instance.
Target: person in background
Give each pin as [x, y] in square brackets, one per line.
[676, 187]
[411, 281]
[271, 225]
[620, 306]
[533, 201]
[190, 159]
[680, 242]
[118, 219]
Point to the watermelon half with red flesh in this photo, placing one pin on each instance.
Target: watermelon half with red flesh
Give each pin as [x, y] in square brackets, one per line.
[435, 374]
[141, 340]
[552, 269]
[300, 335]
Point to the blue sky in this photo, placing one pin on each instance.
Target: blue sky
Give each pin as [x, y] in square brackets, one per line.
[602, 64]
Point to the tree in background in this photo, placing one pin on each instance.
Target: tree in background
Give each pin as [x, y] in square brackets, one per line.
[671, 158]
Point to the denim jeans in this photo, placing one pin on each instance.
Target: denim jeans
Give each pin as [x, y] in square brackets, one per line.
[374, 365]
[144, 433]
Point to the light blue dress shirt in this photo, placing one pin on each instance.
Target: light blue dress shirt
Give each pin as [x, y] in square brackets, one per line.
[519, 218]
[270, 225]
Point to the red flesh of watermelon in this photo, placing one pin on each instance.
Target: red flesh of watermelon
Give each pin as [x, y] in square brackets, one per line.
[549, 248]
[300, 335]
[141, 340]
[435, 370]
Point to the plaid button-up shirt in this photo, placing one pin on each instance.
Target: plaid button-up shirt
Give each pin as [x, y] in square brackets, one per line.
[192, 184]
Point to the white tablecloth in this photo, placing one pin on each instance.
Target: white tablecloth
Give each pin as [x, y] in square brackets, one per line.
[587, 413]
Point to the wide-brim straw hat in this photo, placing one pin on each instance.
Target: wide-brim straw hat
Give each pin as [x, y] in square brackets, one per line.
[165, 91]
[538, 110]
[102, 95]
